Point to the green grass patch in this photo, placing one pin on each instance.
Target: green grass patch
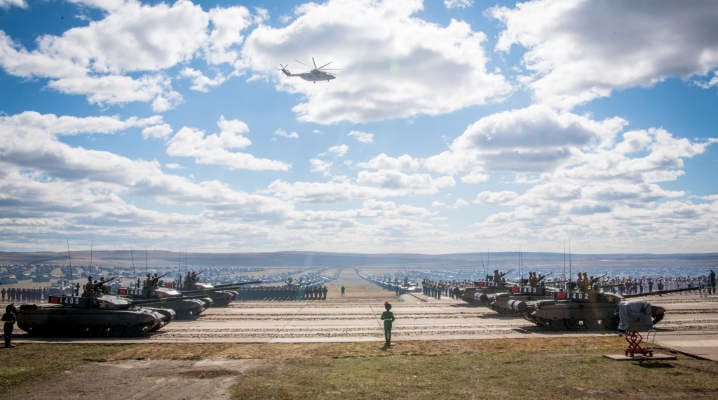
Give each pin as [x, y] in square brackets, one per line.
[567, 367]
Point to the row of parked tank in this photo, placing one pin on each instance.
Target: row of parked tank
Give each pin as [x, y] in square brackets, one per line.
[559, 305]
[133, 312]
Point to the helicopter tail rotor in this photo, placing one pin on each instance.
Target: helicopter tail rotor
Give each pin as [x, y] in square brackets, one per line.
[284, 69]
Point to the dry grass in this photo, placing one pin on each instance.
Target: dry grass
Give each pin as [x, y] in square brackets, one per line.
[502, 368]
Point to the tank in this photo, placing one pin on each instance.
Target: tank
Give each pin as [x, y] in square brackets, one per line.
[493, 284]
[593, 310]
[88, 316]
[221, 295]
[184, 307]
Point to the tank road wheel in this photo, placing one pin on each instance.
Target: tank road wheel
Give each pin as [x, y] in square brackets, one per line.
[571, 324]
[610, 324]
[117, 331]
[133, 331]
[553, 324]
[591, 324]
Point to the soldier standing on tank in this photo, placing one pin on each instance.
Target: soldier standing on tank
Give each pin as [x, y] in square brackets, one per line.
[388, 318]
[9, 319]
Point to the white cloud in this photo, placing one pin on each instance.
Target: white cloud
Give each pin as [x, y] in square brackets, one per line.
[533, 139]
[459, 203]
[385, 54]
[339, 150]
[289, 135]
[368, 185]
[404, 162]
[43, 177]
[363, 137]
[320, 166]
[200, 82]
[581, 50]
[488, 197]
[12, 3]
[173, 166]
[458, 3]
[213, 149]
[710, 83]
[157, 131]
[122, 57]
[395, 180]
[227, 26]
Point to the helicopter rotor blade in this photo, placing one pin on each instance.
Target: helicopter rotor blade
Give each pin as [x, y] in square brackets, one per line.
[315, 63]
[325, 64]
[301, 62]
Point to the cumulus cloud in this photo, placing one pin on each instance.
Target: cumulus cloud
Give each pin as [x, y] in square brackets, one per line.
[289, 135]
[577, 51]
[157, 131]
[320, 166]
[707, 84]
[201, 82]
[123, 56]
[214, 149]
[459, 203]
[385, 54]
[367, 185]
[363, 137]
[488, 197]
[458, 3]
[12, 3]
[395, 180]
[47, 186]
[533, 139]
[339, 150]
[382, 161]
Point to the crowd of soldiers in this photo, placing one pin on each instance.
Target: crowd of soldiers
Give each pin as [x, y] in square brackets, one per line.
[629, 285]
[96, 288]
[282, 293]
[13, 294]
[436, 289]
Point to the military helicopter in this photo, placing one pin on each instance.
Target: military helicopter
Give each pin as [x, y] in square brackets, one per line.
[316, 74]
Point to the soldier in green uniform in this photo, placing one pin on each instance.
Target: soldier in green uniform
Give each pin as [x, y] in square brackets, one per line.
[9, 319]
[388, 318]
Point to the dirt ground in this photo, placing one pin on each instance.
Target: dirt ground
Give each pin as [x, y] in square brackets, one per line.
[141, 380]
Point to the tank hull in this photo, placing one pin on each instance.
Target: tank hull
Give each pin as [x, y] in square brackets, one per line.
[59, 320]
[570, 315]
[186, 309]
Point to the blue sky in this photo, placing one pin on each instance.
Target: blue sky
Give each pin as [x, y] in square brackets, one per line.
[452, 126]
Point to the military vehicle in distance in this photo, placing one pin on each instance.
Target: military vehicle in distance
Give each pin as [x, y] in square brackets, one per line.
[185, 307]
[103, 315]
[221, 295]
[492, 284]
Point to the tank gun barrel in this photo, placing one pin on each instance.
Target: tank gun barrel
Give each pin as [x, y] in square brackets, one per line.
[659, 292]
[231, 285]
[164, 299]
[598, 278]
[101, 283]
[221, 287]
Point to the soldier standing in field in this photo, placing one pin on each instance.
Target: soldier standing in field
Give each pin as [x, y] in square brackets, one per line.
[388, 318]
[9, 319]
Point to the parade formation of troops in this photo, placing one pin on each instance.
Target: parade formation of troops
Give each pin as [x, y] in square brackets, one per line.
[23, 294]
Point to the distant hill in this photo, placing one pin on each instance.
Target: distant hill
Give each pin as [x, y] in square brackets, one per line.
[161, 258]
